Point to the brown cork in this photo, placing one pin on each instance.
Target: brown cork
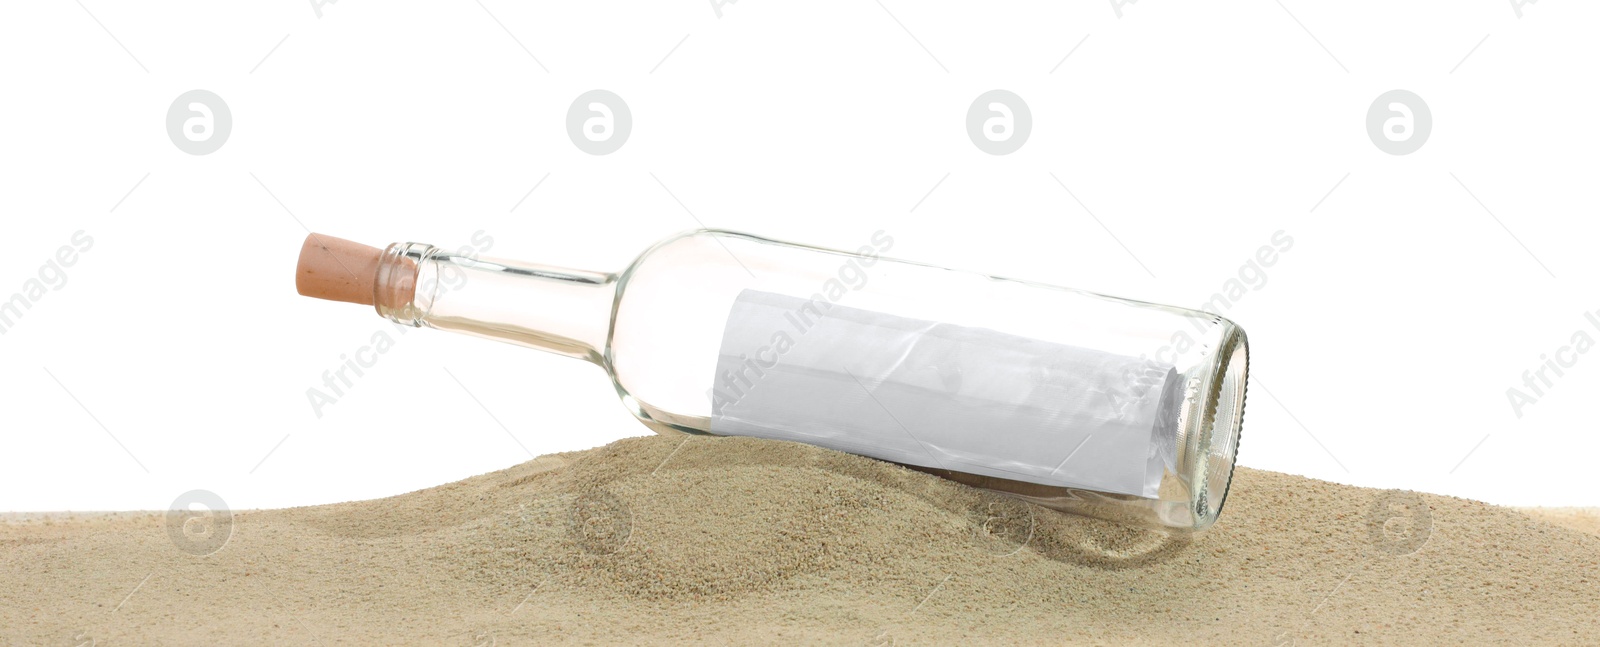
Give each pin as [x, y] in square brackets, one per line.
[338, 270]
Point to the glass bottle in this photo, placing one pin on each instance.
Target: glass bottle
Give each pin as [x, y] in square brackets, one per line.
[1079, 402]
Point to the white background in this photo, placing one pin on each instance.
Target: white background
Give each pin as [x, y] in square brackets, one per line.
[177, 354]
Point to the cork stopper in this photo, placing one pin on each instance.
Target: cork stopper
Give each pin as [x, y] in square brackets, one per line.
[338, 270]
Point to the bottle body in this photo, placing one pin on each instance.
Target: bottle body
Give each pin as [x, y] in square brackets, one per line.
[1090, 404]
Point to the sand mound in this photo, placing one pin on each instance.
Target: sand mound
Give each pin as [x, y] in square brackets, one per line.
[740, 540]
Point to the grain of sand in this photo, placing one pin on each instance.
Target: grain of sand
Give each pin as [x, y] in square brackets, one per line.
[731, 540]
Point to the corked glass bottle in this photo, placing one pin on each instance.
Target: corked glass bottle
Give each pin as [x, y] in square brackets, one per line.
[1090, 404]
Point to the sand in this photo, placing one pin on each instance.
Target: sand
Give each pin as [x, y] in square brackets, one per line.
[729, 540]
[1580, 519]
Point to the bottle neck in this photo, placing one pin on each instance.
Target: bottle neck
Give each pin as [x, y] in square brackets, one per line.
[564, 311]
